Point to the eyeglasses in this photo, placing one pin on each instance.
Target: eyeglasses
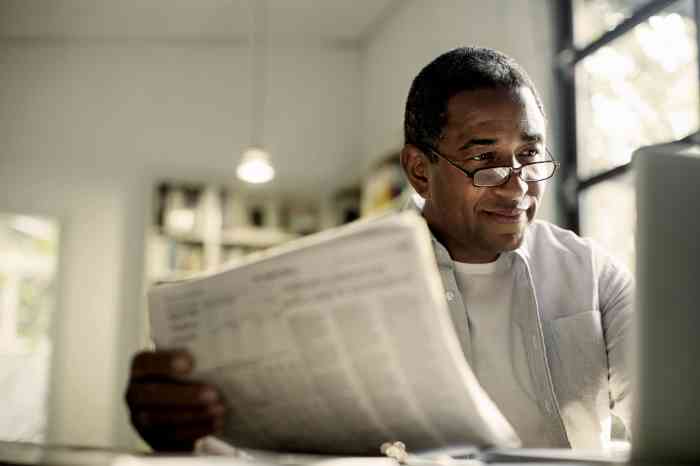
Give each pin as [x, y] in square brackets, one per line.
[490, 177]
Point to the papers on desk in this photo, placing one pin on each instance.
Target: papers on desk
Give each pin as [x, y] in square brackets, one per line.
[334, 344]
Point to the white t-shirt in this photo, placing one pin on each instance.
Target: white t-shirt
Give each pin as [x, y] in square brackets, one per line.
[498, 354]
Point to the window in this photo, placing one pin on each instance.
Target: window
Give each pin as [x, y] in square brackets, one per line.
[633, 68]
[28, 257]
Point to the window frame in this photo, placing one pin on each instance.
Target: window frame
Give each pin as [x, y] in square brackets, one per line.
[568, 58]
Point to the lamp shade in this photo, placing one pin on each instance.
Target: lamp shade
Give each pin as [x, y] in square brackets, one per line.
[255, 166]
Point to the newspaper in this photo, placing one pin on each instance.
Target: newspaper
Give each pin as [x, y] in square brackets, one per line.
[334, 344]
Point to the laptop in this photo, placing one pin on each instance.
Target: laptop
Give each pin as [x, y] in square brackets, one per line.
[667, 425]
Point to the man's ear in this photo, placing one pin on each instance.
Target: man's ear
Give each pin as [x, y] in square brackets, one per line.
[415, 165]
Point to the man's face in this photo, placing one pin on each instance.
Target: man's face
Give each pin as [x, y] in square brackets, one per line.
[485, 128]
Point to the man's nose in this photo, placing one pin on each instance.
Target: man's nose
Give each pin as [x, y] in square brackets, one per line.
[515, 186]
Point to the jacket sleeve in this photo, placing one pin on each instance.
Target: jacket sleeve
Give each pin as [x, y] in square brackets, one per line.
[616, 301]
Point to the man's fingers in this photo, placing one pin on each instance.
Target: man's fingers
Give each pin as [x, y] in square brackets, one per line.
[197, 431]
[169, 394]
[151, 418]
[181, 438]
[171, 363]
[168, 411]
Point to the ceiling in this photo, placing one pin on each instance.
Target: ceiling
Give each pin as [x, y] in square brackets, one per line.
[332, 20]
[340, 24]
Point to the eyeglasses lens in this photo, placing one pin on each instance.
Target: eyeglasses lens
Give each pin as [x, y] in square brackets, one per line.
[491, 176]
[498, 175]
[537, 171]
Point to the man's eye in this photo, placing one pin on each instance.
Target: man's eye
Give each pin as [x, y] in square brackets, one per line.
[481, 157]
[531, 153]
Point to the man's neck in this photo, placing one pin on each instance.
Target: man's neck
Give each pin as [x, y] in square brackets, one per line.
[468, 256]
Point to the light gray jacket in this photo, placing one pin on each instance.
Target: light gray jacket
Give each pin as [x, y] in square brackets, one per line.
[576, 322]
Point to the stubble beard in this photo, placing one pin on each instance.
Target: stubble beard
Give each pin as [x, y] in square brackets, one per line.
[504, 238]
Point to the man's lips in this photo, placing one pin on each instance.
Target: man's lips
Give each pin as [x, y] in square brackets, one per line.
[506, 215]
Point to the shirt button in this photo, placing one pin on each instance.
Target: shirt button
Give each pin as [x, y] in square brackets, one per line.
[450, 295]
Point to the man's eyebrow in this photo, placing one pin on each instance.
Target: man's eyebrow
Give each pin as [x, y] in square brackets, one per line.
[478, 142]
[527, 137]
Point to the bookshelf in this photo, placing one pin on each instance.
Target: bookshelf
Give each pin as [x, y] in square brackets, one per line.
[201, 227]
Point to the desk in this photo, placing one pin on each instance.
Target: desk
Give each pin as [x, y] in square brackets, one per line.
[20, 453]
[23, 454]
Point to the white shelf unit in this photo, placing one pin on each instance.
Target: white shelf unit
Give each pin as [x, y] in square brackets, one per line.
[200, 228]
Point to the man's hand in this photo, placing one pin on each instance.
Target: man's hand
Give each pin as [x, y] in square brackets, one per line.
[169, 412]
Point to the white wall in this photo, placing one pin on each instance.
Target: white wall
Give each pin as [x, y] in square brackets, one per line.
[177, 110]
[87, 128]
[420, 30]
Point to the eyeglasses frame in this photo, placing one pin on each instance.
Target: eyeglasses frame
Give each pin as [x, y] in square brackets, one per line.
[519, 169]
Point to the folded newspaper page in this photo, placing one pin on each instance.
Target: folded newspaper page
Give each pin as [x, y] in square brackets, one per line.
[333, 344]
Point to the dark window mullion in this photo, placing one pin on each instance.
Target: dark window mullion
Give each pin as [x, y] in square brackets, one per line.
[586, 183]
[568, 201]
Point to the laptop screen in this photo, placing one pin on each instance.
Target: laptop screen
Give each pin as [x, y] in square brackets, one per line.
[667, 426]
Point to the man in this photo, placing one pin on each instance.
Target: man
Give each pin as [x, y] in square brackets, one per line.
[542, 315]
